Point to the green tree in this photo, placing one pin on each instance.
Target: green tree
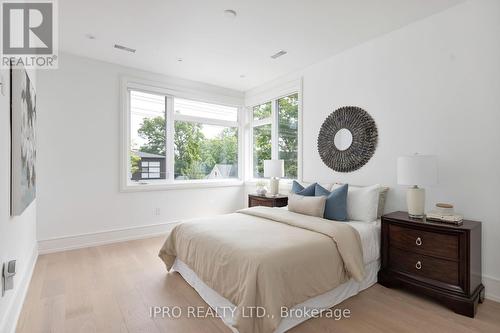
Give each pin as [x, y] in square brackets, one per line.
[262, 111]
[288, 139]
[153, 130]
[134, 163]
[262, 139]
[262, 150]
[223, 149]
[188, 139]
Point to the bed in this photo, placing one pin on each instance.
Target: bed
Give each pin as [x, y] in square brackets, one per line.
[272, 258]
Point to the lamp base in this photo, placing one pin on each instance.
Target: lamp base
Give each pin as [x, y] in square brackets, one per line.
[274, 184]
[415, 199]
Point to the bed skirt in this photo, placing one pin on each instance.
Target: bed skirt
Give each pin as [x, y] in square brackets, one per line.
[323, 301]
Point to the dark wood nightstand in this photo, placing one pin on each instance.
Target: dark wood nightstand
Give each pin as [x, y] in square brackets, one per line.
[267, 200]
[440, 260]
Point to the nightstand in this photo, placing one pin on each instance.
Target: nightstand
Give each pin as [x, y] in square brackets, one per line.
[267, 200]
[439, 260]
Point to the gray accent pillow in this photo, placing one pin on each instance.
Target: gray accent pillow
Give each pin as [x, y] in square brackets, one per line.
[313, 206]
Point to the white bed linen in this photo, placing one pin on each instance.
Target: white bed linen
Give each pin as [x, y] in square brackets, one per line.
[370, 240]
[369, 233]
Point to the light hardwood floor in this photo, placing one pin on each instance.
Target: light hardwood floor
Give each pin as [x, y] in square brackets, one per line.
[110, 288]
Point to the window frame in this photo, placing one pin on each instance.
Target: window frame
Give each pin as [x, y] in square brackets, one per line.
[273, 95]
[129, 84]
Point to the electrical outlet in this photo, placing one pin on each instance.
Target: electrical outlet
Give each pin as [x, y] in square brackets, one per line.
[156, 211]
[8, 272]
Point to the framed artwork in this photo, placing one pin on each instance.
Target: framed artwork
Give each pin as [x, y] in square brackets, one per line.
[23, 141]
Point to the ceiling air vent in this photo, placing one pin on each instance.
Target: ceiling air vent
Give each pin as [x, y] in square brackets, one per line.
[124, 48]
[278, 54]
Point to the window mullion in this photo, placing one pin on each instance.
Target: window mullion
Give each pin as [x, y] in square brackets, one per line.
[274, 130]
[170, 138]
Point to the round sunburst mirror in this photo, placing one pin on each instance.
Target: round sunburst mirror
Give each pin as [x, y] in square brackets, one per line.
[347, 139]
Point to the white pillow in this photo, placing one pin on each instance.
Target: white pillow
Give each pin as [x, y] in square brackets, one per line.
[313, 206]
[362, 202]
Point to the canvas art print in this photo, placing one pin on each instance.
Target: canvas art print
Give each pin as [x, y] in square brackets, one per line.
[23, 150]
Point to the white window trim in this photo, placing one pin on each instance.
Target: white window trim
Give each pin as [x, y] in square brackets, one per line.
[170, 92]
[273, 95]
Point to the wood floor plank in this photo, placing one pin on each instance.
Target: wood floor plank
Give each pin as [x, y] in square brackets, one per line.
[112, 288]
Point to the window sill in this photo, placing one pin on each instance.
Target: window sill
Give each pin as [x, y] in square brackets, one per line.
[283, 181]
[180, 185]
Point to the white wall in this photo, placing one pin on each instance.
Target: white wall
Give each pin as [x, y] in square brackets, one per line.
[432, 87]
[78, 164]
[17, 234]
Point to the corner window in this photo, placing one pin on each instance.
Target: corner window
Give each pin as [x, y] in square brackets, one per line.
[275, 134]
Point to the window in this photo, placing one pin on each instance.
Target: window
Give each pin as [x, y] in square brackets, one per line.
[173, 139]
[275, 134]
[147, 135]
[151, 170]
[261, 137]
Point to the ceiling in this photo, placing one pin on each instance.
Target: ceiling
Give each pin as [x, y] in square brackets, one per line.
[219, 50]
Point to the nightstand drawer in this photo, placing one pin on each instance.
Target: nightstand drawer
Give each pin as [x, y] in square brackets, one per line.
[268, 201]
[261, 202]
[423, 242]
[442, 270]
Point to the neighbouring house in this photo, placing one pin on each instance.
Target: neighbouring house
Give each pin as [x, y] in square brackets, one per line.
[151, 166]
[223, 171]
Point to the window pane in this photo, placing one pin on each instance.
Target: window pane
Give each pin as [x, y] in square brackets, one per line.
[206, 110]
[205, 151]
[147, 133]
[288, 117]
[262, 111]
[261, 148]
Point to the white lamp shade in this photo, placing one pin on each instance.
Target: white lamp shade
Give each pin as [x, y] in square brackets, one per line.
[274, 168]
[417, 170]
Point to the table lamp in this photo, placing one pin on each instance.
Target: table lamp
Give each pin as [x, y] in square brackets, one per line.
[274, 169]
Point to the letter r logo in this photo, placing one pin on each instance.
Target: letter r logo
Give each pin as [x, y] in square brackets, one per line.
[27, 28]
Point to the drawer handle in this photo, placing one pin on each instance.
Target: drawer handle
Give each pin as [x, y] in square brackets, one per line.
[418, 265]
[418, 241]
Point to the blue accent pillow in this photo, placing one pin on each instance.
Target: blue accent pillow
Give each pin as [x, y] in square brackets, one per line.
[305, 191]
[336, 202]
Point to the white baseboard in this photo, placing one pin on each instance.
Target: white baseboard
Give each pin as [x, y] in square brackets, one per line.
[103, 237]
[492, 286]
[14, 311]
